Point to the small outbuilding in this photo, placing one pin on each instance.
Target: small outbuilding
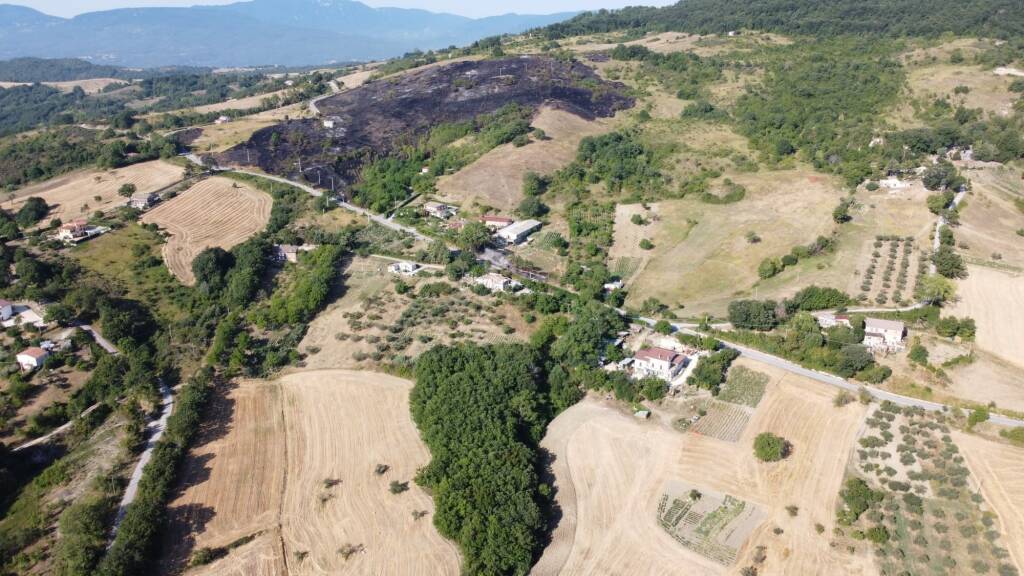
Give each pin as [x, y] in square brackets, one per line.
[518, 233]
[32, 358]
[6, 310]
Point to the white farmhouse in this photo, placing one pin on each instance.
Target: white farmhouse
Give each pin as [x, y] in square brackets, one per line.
[32, 358]
[497, 283]
[6, 310]
[883, 335]
[495, 222]
[404, 268]
[829, 320]
[518, 232]
[659, 362]
[439, 210]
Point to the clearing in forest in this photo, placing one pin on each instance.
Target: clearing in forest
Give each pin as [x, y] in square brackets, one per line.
[215, 212]
[304, 466]
[611, 470]
[79, 194]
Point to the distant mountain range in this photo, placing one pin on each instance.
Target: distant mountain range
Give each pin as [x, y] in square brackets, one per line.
[259, 32]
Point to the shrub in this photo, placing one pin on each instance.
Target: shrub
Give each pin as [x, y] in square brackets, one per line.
[770, 448]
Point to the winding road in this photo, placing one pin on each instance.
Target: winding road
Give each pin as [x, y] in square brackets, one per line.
[155, 430]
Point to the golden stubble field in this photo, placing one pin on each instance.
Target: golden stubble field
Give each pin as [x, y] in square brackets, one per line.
[79, 194]
[610, 470]
[496, 178]
[215, 212]
[993, 298]
[292, 461]
[998, 469]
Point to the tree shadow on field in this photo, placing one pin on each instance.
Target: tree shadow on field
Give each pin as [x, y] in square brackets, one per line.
[552, 510]
[184, 522]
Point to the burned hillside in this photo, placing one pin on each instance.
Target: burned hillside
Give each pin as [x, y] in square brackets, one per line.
[392, 114]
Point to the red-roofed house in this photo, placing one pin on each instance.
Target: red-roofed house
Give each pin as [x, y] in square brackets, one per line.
[660, 362]
[73, 230]
[495, 222]
[31, 358]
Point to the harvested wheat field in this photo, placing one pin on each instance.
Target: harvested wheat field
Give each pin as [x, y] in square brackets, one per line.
[295, 465]
[999, 470]
[992, 298]
[215, 212]
[496, 178]
[75, 195]
[611, 471]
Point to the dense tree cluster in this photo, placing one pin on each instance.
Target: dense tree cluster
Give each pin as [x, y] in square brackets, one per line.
[482, 412]
[711, 370]
[989, 18]
[837, 350]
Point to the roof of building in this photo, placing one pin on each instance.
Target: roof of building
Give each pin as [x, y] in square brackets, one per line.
[663, 354]
[4, 303]
[143, 195]
[877, 324]
[493, 277]
[34, 352]
[431, 205]
[496, 218]
[521, 227]
[74, 224]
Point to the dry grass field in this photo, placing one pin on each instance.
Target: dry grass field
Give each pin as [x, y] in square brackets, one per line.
[610, 471]
[998, 469]
[989, 379]
[993, 298]
[989, 219]
[496, 179]
[292, 461]
[702, 258]
[355, 79]
[214, 212]
[75, 195]
[239, 104]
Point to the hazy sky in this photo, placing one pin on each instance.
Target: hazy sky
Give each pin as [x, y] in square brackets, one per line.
[475, 9]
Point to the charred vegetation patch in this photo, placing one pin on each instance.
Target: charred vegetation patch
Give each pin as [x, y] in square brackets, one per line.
[392, 116]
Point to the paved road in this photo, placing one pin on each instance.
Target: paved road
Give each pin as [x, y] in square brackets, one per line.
[313, 103]
[155, 429]
[838, 382]
[103, 342]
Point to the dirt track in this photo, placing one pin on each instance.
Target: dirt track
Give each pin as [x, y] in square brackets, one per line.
[214, 212]
[293, 463]
[611, 468]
